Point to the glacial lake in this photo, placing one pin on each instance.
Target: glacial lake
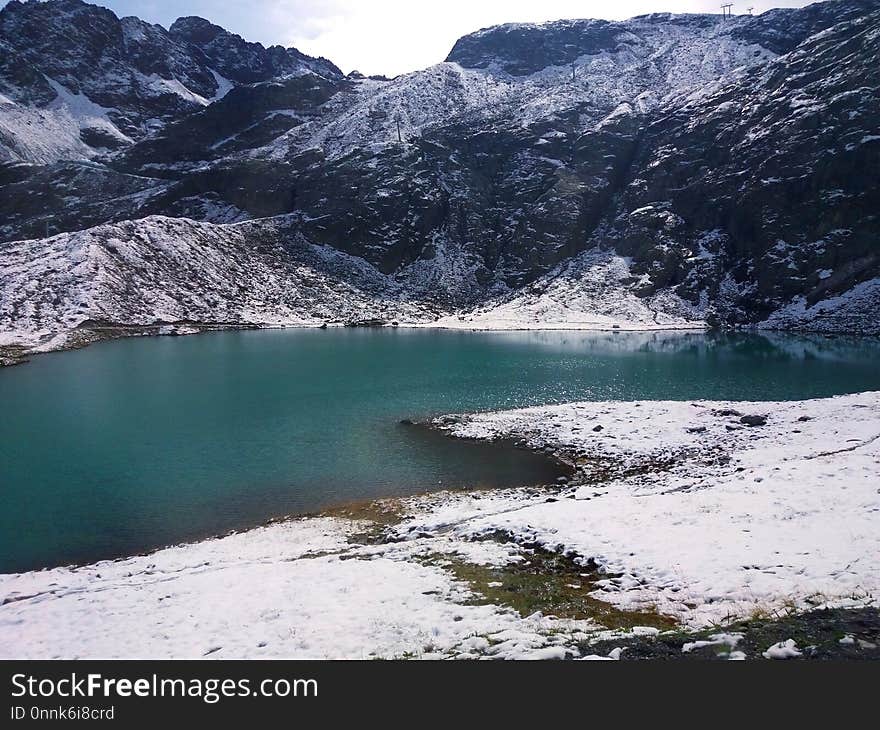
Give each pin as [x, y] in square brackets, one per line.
[135, 444]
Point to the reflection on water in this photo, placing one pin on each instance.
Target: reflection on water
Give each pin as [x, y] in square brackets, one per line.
[714, 344]
[129, 445]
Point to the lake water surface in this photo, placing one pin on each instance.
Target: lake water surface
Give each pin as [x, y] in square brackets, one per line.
[135, 444]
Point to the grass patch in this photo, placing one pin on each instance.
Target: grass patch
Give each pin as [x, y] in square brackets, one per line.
[376, 516]
[549, 582]
[817, 634]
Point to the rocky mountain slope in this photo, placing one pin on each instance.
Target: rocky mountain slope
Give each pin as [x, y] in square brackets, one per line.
[662, 171]
[760, 199]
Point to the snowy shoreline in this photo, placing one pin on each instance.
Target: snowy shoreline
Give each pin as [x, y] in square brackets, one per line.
[16, 350]
[19, 348]
[685, 511]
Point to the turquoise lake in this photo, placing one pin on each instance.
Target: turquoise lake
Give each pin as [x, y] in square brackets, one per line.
[134, 444]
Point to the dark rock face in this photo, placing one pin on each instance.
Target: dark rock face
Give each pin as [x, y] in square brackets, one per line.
[384, 212]
[783, 29]
[244, 62]
[766, 184]
[20, 80]
[521, 49]
[245, 118]
[118, 64]
[68, 196]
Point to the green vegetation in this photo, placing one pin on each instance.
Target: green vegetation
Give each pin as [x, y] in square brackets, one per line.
[549, 582]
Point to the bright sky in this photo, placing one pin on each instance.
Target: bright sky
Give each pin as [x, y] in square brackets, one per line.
[396, 36]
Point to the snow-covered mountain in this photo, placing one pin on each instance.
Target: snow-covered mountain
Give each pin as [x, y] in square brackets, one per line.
[665, 170]
[77, 81]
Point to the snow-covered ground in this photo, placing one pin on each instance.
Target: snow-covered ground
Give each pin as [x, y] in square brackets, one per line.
[295, 589]
[47, 135]
[702, 516]
[685, 509]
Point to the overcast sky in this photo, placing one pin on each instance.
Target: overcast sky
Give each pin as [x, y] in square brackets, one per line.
[395, 36]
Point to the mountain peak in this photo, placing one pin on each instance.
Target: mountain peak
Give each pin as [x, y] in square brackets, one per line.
[106, 81]
[244, 61]
[196, 29]
[521, 49]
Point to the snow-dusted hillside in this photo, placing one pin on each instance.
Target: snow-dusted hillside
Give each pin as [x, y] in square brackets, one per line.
[595, 291]
[163, 271]
[651, 60]
[57, 131]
